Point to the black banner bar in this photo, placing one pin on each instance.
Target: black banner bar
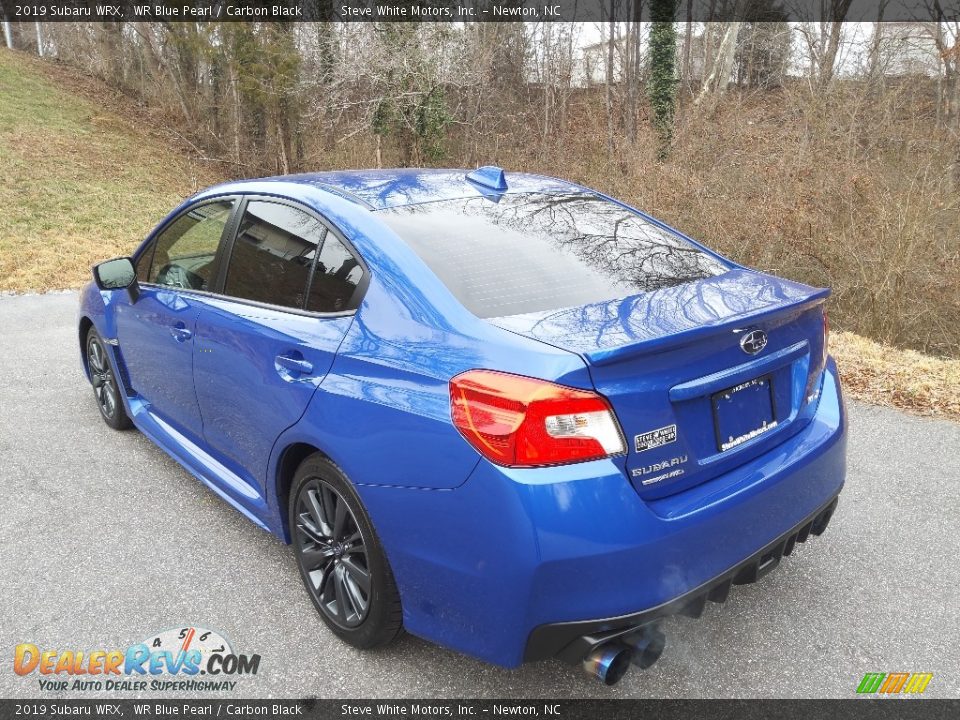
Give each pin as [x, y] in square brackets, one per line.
[470, 10]
[855, 709]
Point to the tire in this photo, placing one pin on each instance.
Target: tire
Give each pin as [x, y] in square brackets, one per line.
[106, 386]
[344, 569]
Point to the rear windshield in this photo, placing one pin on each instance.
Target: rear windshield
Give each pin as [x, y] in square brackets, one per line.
[515, 254]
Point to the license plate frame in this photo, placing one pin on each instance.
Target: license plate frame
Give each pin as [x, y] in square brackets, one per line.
[746, 397]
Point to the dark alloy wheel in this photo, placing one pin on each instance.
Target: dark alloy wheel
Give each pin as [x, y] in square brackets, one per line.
[341, 561]
[104, 381]
[333, 554]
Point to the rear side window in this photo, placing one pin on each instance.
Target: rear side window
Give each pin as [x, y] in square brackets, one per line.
[336, 278]
[273, 254]
[526, 253]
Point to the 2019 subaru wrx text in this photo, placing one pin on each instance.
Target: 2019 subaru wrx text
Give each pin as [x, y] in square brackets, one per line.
[504, 412]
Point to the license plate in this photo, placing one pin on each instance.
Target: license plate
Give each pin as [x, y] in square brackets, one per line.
[744, 411]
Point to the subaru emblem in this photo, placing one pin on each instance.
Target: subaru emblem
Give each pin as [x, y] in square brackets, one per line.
[753, 342]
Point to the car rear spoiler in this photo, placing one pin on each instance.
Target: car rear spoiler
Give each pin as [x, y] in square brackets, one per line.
[660, 343]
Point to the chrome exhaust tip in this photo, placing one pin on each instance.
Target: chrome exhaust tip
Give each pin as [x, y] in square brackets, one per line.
[647, 647]
[608, 663]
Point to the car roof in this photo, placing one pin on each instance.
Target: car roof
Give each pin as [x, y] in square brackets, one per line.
[379, 189]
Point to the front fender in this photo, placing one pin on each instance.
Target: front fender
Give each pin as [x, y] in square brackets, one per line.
[91, 310]
[99, 305]
[97, 308]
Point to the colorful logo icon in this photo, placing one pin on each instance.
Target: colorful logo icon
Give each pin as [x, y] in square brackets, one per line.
[187, 652]
[893, 683]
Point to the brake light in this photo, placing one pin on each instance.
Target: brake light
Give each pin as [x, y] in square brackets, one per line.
[812, 391]
[524, 422]
[826, 336]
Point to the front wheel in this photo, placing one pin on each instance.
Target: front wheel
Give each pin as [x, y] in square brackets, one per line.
[341, 561]
[106, 387]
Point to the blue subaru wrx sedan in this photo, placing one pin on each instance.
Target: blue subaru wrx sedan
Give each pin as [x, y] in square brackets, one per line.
[502, 411]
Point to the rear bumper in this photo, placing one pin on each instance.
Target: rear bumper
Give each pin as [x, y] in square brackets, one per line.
[483, 568]
[572, 641]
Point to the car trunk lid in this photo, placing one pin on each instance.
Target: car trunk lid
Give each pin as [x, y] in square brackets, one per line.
[703, 376]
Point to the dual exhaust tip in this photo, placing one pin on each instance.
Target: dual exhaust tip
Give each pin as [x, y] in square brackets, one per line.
[610, 661]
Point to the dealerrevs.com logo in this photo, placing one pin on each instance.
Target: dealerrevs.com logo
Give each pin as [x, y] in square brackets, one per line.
[179, 659]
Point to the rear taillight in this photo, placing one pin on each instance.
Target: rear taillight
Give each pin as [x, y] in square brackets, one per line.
[826, 336]
[524, 422]
[816, 371]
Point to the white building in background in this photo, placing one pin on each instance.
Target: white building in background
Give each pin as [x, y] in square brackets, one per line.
[907, 48]
[903, 49]
[595, 59]
[594, 70]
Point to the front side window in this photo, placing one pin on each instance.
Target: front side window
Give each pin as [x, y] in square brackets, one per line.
[143, 263]
[273, 254]
[533, 252]
[183, 254]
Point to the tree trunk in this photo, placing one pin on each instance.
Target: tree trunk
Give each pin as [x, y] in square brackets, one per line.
[662, 87]
[836, 14]
[547, 78]
[955, 186]
[327, 63]
[709, 30]
[829, 57]
[237, 117]
[635, 75]
[568, 82]
[948, 89]
[111, 45]
[687, 67]
[874, 68]
[7, 33]
[609, 84]
[283, 142]
[182, 38]
[283, 48]
[629, 82]
[715, 83]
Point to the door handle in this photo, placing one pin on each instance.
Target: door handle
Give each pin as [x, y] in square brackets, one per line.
[180, 332]
[295, 364]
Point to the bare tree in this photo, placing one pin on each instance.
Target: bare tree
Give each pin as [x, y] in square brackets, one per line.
[686, 66]
[7, 33]
[111, 48]
[715, 82]
[836, 12]
[874, 58]
[946, 37]
[608, 89]
[824, 37]
[632, 68]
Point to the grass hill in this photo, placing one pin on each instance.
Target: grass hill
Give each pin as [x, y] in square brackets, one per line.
[82, 181]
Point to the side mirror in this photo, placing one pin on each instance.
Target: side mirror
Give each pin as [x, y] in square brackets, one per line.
[117, 274]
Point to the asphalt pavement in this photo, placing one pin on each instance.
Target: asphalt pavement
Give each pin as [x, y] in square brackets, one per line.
[104, 540]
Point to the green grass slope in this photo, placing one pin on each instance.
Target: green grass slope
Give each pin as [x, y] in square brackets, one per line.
[80, 180]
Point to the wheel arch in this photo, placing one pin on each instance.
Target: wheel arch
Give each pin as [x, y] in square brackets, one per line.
[84, 328]
[290, 459]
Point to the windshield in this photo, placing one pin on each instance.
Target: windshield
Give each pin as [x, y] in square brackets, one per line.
[514, 254]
